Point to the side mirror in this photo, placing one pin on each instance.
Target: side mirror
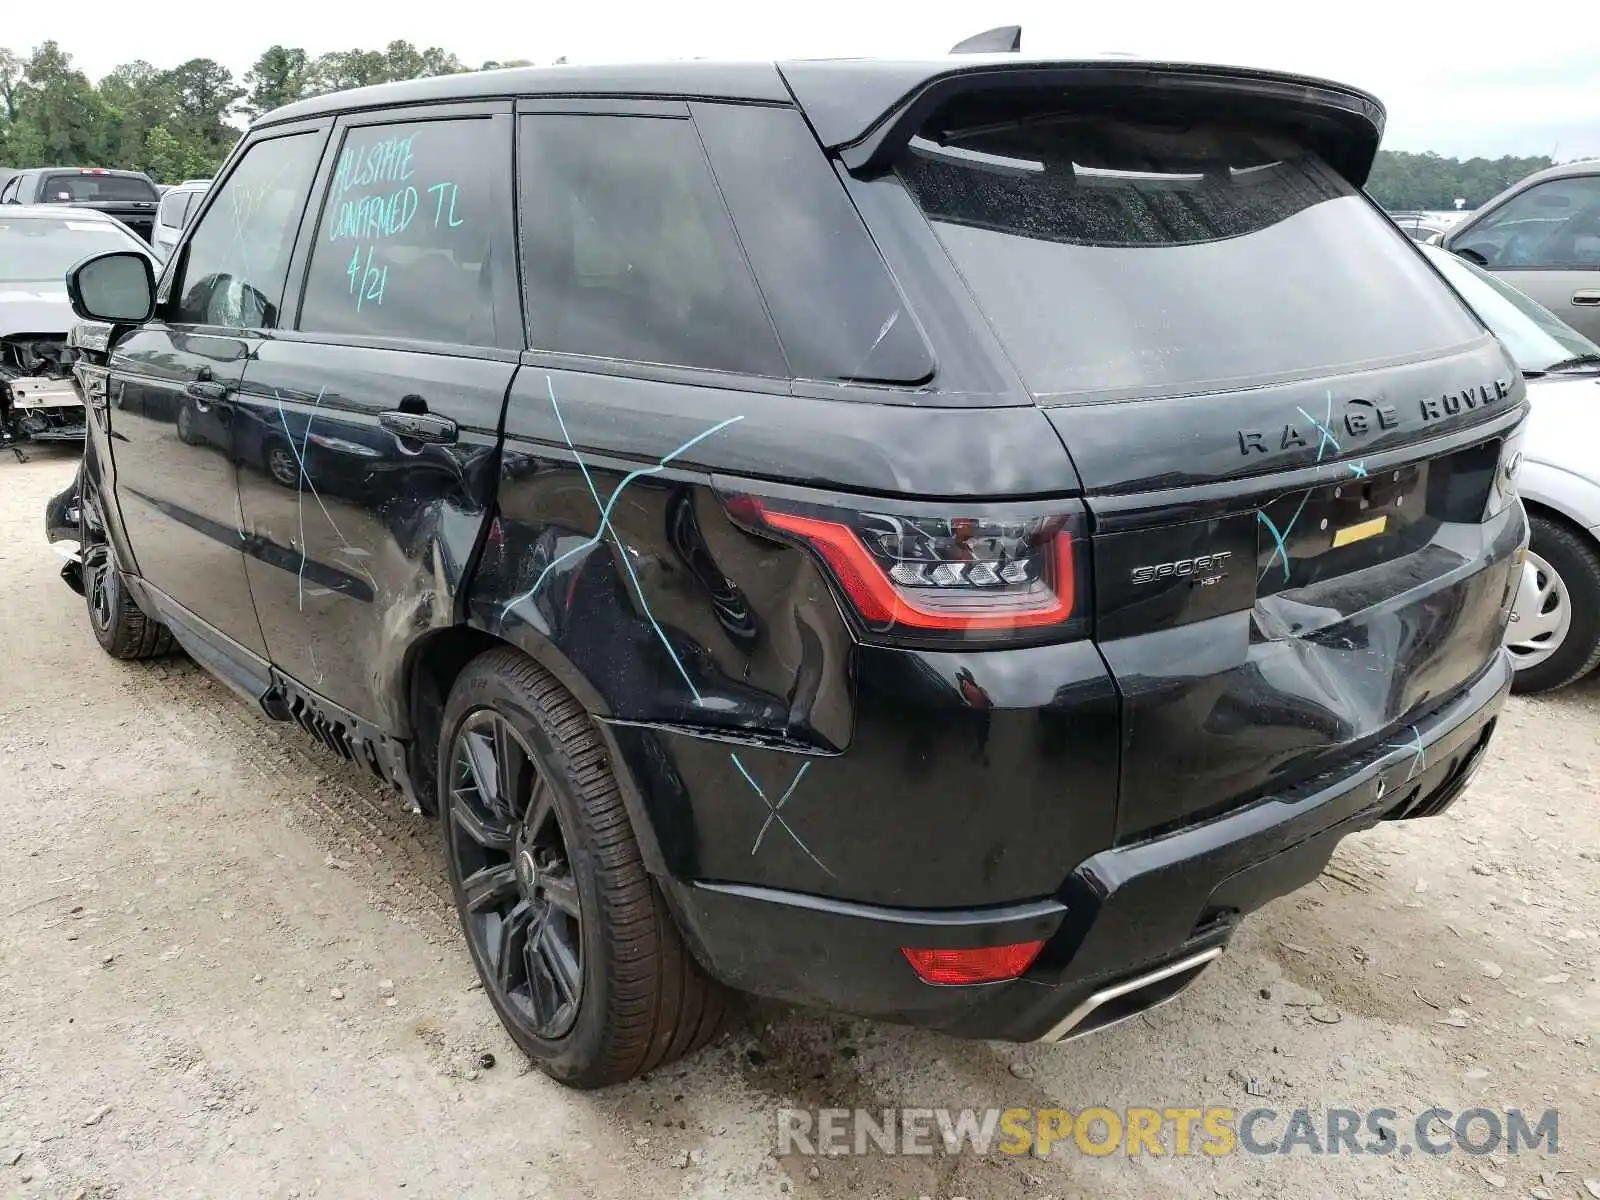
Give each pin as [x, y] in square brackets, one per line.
[118, 287]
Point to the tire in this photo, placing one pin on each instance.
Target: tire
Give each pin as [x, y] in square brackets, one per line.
[562, 853]
[1559, 642]
[119, 625]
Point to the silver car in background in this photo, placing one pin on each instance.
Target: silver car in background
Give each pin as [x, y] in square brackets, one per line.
[1542, 236]
[178, 205]
[1554, 635]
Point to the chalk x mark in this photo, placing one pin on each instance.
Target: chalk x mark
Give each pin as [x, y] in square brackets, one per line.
[773, 810]
[1419, 755]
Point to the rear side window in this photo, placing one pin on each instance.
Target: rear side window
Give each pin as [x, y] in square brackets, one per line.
[628, 251]
[838, 311]
[1122, 258]
[61, 188]
[414, 240]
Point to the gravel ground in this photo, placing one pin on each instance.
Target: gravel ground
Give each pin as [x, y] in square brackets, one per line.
[229, 966]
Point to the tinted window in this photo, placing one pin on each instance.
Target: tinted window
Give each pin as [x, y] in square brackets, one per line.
[415, 236]
[63, 188]
[236, 260]
[838, 312]
[628, 251]
[1120, 258]
[37, 249]
[1554, 224]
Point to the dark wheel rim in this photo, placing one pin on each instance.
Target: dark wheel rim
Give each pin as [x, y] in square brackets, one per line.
[519, 897]
[185, 425]
[283, 466]
[97, 567]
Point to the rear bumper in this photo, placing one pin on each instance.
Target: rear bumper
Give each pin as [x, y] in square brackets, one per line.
[1149, 912]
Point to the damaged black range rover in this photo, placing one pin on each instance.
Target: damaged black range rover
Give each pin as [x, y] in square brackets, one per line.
[941, 540]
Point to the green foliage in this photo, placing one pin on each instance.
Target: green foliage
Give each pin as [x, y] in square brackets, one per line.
[1401, 180]
[179, 122]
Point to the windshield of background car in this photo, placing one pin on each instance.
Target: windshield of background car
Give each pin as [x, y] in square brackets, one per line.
[39, 249]
[65, 189]
[1116, 258]
[1536, 337]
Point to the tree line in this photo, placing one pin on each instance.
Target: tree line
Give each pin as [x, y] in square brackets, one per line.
[180, 122]
[177, 122]
[1402, 180]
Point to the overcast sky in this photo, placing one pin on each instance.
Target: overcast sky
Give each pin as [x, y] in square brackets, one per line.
[1496, 80]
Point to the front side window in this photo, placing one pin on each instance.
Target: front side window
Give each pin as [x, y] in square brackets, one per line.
[1123, 258]
[415, 237]
[238, 257]
[628, 251]
[1554, 224]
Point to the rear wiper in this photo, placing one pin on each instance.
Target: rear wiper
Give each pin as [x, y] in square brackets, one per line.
[1577, 360]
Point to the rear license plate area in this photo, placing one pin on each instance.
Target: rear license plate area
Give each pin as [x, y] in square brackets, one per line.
[1369, 518]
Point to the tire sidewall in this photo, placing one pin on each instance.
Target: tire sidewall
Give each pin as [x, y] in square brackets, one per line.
[575, 1052]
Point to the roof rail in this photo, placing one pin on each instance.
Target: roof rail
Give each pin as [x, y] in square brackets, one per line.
[1003, 39]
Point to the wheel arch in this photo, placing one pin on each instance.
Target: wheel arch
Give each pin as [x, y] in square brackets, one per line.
[430, 668]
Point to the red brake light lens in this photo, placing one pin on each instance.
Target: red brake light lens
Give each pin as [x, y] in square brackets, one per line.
[997, 572]
[984, 964]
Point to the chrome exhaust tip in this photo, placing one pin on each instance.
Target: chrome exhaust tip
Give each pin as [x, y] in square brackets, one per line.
[1119, 1002]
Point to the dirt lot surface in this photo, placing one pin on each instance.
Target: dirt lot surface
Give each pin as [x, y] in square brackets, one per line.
[229, 967]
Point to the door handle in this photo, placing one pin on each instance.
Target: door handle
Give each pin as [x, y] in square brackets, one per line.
[419, 427]
[1591, 299]
[204, 391]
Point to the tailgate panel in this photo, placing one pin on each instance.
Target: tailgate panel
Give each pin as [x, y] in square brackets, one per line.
[1266, 628]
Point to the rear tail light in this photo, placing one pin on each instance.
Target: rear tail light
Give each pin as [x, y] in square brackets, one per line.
[984, 964]
[987, 572]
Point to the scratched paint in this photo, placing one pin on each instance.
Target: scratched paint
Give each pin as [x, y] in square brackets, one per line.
[605, 508]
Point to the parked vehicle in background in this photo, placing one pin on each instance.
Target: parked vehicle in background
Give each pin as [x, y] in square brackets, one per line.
[689, 482]
[173, 213]
[1424, 225]
[1542, 236]
[39, 401]
[130, 196]
[1554, 632]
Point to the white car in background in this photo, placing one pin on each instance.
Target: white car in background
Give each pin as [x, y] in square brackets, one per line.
[1554, 634]
[177, 208]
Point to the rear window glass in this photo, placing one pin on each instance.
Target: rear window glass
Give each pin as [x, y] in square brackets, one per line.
[1122, 258]
[41, 249]
[60, 189]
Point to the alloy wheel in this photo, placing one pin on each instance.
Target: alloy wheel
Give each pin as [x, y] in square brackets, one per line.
[509, 853]
[97, 572]
[282, 465]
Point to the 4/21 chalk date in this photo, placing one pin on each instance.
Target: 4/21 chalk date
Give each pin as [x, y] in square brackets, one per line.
[366, 281]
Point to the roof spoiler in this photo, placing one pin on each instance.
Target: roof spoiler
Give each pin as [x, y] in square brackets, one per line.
[1003, 39]
[868, 117]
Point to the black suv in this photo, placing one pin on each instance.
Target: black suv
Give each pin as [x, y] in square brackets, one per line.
[940, 540]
